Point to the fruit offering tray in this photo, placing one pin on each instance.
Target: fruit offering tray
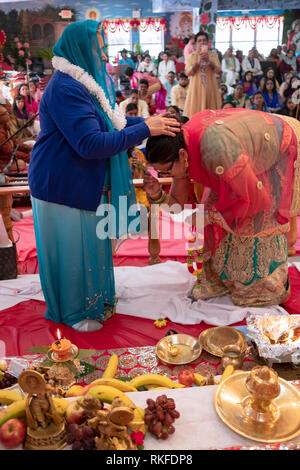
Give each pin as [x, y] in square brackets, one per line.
[140, 360]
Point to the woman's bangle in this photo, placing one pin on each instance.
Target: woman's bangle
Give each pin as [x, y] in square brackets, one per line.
[161, 200]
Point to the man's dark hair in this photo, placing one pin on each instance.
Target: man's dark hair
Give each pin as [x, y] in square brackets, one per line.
[131, 107]
[119, 94]
[230, 102]
[201, 33]
[171, 71]
[182, 75]
[134, 91]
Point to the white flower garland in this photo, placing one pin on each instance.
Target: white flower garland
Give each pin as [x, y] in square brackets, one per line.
[115, 115]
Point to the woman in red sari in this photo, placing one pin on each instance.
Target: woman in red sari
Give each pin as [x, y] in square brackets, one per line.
[155, 86]
[246, 160]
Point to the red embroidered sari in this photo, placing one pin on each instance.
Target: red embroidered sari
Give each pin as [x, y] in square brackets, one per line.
[246, 159]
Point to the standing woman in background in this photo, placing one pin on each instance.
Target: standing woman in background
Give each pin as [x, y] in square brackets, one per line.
[80, 157]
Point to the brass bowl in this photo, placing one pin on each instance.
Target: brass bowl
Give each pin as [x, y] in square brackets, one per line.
[213, 340]
[178, 349]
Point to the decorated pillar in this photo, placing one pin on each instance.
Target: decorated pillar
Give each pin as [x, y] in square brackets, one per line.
[206, 20]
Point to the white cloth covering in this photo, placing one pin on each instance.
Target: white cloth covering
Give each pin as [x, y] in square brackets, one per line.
[159, 291]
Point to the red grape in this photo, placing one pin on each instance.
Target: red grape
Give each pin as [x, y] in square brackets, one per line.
[174, 413]
[157, 427]
[168, 419]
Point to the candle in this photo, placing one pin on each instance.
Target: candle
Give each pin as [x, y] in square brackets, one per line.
[61, 346]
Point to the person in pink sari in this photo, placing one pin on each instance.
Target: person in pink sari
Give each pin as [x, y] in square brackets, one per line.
[155, 86]
[30, 103]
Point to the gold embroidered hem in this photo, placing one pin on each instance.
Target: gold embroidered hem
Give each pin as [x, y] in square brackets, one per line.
[254, 271]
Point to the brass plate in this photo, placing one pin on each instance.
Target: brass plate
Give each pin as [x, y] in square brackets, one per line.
[189, 349]
[232, 391]
[214, 339]
[72, 355]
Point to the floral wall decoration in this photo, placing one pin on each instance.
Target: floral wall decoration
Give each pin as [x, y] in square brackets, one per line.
[208, 18]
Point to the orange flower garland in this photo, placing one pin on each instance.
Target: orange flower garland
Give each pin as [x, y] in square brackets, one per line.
[195, 255]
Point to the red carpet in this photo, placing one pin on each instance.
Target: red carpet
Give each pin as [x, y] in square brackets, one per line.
[130, 253]
[24, 326]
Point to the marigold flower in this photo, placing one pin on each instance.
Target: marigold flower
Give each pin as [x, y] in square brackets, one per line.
[160, 322]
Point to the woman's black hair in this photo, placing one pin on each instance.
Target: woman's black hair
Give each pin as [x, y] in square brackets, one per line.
[129, 72]
[290, 89]
[265, 85]
[174, 107]
[16, 109]
[284, 110]
[143, 81]
[163, 148]
[246, 73]
[27, 86]
[34, 82]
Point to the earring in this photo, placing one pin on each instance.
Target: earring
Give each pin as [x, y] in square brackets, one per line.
[186, 163]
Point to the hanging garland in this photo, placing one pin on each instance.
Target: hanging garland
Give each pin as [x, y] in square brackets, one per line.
[238, 22]
[128, 24]
[195, 254]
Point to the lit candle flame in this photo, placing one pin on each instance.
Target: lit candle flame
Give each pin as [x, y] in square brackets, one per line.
[58, 333]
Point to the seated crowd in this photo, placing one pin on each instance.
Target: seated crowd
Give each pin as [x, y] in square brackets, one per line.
[245, 81]
[19, 122]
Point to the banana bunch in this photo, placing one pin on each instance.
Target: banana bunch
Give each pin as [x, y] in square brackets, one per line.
[229, 370]
[106, 394]
[115, 383]
[14, 410]
[111, 368]
[61, 404]
[9, 396]
[154, 379]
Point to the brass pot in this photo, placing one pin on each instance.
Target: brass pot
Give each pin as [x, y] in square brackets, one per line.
[233, 355]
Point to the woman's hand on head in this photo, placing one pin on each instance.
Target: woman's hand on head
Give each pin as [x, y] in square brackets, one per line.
[159, 125]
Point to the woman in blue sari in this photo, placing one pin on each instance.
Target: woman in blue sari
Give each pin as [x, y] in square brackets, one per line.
[272, 97]
[78, 163]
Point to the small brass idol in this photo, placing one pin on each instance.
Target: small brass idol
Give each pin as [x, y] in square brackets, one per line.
[45, 427]
[262, 383]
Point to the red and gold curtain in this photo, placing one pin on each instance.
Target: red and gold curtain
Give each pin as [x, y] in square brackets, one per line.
[127, 24]
[238, 22]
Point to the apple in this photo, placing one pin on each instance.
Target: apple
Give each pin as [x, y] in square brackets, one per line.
[186, 377]
[12, 433]
[75, 413]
